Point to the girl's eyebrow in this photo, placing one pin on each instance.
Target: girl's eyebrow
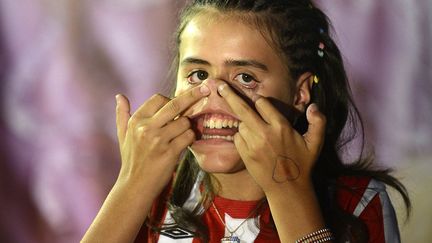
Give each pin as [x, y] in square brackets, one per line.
[230, 62]
[246, 63]
[193, 60]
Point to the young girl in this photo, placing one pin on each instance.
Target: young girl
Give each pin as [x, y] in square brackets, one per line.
[249, 148]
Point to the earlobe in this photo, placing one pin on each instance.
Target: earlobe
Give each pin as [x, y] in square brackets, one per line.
[303, 91]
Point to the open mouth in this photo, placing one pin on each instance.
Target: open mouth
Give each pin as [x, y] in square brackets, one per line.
[215, 126]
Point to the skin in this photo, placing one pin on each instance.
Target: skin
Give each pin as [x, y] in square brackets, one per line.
[244, 169]
[215, 45]
[152, 139]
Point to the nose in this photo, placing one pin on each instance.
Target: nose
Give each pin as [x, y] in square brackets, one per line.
[213, 85]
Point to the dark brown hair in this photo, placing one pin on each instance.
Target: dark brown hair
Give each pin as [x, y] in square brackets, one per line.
[295, 28]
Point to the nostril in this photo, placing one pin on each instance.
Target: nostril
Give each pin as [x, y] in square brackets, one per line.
[213, 85]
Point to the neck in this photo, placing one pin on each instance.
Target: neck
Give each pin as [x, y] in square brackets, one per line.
[237, 186]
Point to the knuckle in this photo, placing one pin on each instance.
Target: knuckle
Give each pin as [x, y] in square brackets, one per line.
[184, 121]
[189, 134]
[157, 139]
[174, 106]
[265, 137]
[255, 146]
[142, 130]
[253, 155]
[157, 97]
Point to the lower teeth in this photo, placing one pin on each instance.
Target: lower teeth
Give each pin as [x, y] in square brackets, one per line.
[228, 138]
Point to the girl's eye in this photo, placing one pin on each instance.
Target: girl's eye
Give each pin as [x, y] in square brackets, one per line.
[197, 76]
[246, 80]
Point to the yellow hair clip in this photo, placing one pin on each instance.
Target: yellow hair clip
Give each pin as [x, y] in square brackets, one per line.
[316, 79]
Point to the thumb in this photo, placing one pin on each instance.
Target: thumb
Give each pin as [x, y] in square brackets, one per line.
[122, 117]
[314, 137]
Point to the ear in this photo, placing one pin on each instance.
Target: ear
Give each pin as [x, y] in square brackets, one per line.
[302, 95]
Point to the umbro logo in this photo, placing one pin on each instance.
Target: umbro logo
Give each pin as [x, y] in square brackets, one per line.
[176, 232]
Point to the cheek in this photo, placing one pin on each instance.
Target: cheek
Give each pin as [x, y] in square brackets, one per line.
[281, 92]
[248, 95]
[181, 87]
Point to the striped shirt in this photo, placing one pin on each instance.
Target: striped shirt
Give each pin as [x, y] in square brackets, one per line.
[365, 198]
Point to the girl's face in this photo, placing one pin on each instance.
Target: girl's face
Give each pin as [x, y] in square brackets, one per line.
[214, 50]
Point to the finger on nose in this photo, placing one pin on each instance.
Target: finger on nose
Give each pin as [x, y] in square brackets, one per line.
[204, 89]
[213, 84]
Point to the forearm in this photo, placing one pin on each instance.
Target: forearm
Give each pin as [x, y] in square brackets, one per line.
[295, 211]
[122, 214]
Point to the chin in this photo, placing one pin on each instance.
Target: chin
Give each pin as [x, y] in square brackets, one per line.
[217, 156]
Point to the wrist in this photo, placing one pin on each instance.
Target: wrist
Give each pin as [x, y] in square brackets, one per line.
[300, 204]
[295, 187]
[144, 187]
[151, 180]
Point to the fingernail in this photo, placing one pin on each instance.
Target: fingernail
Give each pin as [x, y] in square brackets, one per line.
[256, 97]
[221, 90]
[117, 98]
[204, 89]
[313, 107]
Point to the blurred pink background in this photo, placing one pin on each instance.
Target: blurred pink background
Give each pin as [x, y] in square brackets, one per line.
[62, 62]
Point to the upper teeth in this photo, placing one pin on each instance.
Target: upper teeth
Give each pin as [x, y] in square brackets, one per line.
[220, 123]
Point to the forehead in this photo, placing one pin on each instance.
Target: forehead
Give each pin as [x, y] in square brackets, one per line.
[224, 36]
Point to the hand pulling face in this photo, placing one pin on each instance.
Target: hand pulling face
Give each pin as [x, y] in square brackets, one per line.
[296, 118]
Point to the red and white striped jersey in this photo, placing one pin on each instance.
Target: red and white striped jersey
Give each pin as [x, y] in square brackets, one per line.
[366, 199]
